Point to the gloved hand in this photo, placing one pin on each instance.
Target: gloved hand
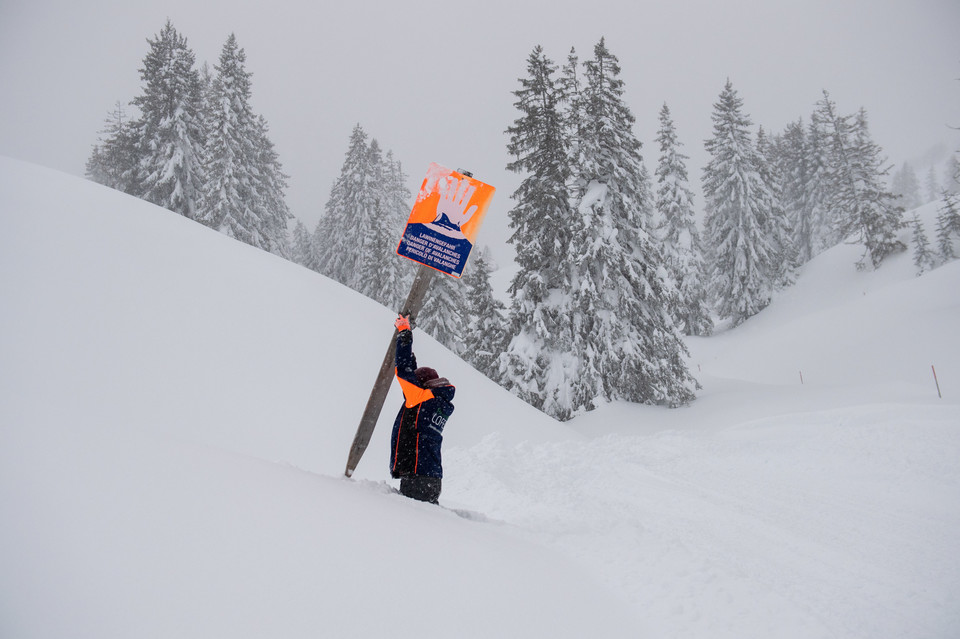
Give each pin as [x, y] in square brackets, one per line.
[402, 323]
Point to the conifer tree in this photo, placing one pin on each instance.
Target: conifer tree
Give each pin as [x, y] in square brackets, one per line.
[231, 189]
[864, 209]
[780, 229]
[922, 256]
[868, 208]
[376, 241]
[245, 183]
[273, 214]
[443, 316]
[792, 159]
[948, 226]
[207, 110]
[485, 336]
[170, 131]
[818, 190]
[113, 162]
[341, 236]
[355, 242]
[738, 220]
[571, 99]
[300, 249]
[835, 132]
[383, 275]
[396, 273]
[678, 232]
[536, 363]
[627, 343]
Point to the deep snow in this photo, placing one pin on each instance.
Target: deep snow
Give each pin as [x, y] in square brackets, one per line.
[176, 410]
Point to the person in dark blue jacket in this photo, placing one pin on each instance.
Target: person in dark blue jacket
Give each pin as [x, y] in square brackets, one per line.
[418, 430]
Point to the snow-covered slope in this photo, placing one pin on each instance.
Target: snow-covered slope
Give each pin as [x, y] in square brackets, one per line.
[176, 409]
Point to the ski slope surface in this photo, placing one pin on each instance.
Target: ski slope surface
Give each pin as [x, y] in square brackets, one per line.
[176, 410]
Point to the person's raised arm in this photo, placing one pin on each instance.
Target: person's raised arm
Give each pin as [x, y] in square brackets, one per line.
[406, 361]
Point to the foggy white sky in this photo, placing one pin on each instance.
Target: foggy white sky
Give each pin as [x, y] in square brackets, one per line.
[432, 81]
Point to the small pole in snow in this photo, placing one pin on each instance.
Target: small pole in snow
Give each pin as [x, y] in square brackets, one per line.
[939, 394]
[801, 378]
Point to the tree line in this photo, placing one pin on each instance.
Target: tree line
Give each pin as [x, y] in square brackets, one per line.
[612, 270]
[196, 147]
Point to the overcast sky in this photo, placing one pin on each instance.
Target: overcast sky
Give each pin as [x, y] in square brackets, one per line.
[432, 81]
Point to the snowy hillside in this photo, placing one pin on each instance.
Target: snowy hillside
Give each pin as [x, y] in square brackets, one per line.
[176, 410]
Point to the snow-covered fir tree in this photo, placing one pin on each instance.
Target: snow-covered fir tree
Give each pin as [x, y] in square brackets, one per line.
[738, 221]
[818, 190]
[113, 161]
[792, 160]
[780, 228]
[170, 131]
[868, 210]
[245, 183]
[834, 133]
[355, 241]
[485, 337]
[343, 236]
[386, 276]
[374, 238]
[627, 343]
[301, 251]
[396, 273]
[864, 209]
[271, 204]
[443, 316]
[197, 148]
[230, 193]
[207, 110]
[678, 234]
[948, 226]
[539, 362]
[923, 257]
[572, 106]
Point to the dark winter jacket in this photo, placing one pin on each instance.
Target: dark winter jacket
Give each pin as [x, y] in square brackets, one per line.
[418, 429]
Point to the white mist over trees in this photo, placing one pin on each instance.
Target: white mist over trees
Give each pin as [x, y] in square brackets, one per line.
[197, 147]
[611, 268]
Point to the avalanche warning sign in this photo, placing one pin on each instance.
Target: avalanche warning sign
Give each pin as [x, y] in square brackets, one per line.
[445, 219]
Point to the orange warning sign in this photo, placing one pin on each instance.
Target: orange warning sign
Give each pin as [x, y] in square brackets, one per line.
[443, 225]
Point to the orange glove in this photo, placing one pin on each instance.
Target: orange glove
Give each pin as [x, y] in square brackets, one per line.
[402, 323]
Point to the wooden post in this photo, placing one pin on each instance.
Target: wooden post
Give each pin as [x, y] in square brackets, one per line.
[936, 381]
[381, 386]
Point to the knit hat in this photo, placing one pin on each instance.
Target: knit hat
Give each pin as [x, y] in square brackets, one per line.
[425, 374]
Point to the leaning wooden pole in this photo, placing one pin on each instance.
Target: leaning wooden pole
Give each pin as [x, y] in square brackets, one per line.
[418, 291]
